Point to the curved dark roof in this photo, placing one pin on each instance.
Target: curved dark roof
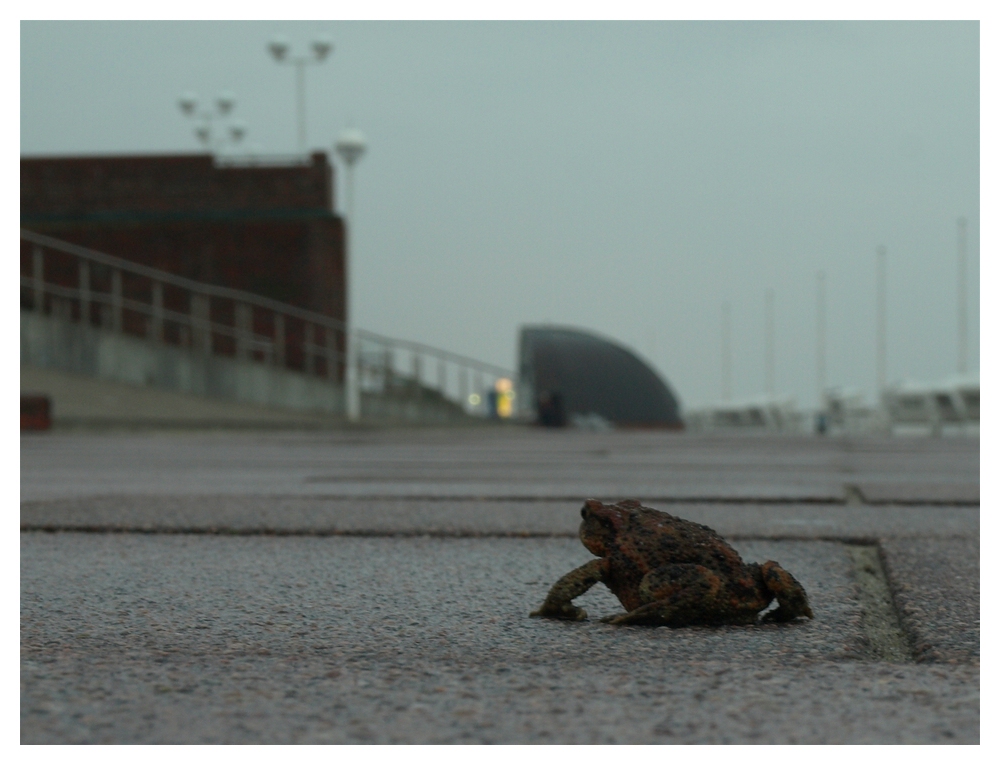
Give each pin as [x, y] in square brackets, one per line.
[592, 374]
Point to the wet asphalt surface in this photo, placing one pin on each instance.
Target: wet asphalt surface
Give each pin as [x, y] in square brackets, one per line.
[404, 619]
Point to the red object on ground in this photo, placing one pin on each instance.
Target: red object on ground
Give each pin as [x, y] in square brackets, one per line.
[36, 413]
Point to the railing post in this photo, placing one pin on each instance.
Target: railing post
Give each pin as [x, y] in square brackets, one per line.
[243, 319]
[279, 341]
[157, 326]
[84, 292]
[358, 360]
[331, 353]
[388, 371]
[201, 326]
[38, 276]
[116, 301]
[308, 348]
[416, 372]
[442, 379]
[463, 386]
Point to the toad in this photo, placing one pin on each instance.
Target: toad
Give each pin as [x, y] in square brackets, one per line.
[669, 571]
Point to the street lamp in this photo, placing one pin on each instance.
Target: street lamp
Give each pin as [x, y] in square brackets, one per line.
[350, 146]
[213, 139]
[321, 47]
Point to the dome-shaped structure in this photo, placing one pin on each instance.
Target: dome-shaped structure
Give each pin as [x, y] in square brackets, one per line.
[565, 372]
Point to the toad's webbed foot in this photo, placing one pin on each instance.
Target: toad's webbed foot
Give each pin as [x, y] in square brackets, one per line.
[658, 614]
[613, 619]
[558, 603]
[560, 611]
[792, 600]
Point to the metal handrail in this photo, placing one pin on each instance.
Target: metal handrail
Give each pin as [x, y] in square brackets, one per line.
[247, 342]
[166, 314]
[429, 350]
[226, 293]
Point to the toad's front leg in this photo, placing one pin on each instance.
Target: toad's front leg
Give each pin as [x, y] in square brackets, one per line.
[558, 604]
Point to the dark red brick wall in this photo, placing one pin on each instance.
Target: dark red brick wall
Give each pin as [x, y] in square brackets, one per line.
[69, 186]
[268, 230]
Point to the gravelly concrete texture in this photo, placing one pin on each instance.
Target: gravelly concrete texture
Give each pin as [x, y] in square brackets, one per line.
[936, 588]
[347, 596]
[310, 699]
[360, 639]
[258, 628]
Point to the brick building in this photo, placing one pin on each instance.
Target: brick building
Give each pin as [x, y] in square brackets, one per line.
[269, 229]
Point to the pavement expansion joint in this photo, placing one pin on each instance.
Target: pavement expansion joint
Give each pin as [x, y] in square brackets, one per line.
[853, 495]
[212, 531]
[850, 499]
[880, 621]
[286, 532]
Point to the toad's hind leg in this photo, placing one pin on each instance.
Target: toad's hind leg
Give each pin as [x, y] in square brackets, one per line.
[792, 600]
[558, 604]
[677, 595]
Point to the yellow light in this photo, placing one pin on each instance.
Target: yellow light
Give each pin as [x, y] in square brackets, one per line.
[505, 404]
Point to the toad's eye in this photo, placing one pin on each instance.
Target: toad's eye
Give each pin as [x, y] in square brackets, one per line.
[583, 512]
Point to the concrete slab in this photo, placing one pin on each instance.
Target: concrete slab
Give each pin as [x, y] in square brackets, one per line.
[903, 492]
[134, 592]
[352, 640]
[306, 699]
[935, 583]
[497, 462]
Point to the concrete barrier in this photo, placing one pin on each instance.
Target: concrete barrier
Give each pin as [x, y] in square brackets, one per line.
[52, 342]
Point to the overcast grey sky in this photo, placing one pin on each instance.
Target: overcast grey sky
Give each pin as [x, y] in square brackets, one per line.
[627, 178]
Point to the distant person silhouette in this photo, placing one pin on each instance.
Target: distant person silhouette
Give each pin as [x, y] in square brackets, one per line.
[551, 412]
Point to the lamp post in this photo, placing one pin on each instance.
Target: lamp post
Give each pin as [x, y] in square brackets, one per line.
[727, 352]
[321, 47]
[963, 301]
[350, 146]
[769, 342]
[880, 290]
[821, 335]
[213, 139]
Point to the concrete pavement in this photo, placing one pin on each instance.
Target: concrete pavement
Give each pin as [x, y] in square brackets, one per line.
[502, 462]
[373, 586]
